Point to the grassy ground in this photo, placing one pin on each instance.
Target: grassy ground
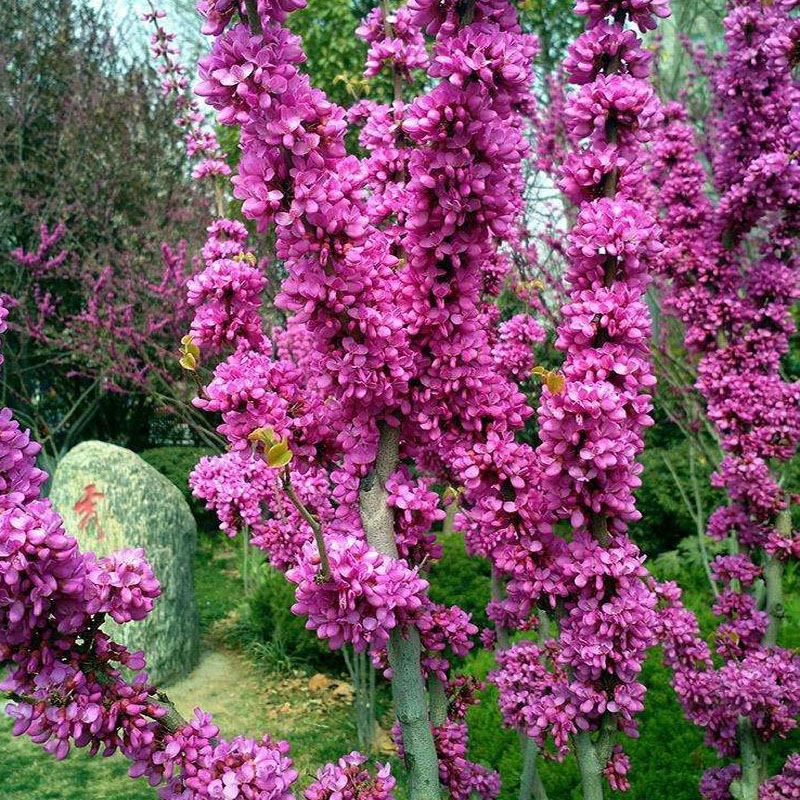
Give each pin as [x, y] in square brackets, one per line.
[318, 724]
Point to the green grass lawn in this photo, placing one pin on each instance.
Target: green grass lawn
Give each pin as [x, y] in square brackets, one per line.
[27, 773]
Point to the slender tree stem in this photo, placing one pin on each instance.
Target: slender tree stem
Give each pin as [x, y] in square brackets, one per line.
[253, 19]
[753, 758]
[397, 78]
[700, 519]
[695, 512]
[404, 649]
[530, 782]
[438, 701]
[503, 641]
[172, 721]
[21, 698]
[450, 518]
[325, 564]
[362, 674]
[219, 199]
[773, 581]
[410, 704]
[590, 767]
[377, 517]
[598, 524]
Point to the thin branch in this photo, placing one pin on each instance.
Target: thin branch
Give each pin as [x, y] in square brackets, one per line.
[253, 19]
[325, 565]
[172, 721]
[397, 78]
[696, 515]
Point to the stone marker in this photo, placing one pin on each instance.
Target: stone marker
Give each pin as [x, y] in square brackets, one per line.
[111, 499]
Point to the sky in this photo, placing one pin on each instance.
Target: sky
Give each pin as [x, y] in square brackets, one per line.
[132, 34]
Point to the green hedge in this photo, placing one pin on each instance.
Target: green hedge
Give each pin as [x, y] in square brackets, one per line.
[459, 579]
[277, 639]
[176, 463]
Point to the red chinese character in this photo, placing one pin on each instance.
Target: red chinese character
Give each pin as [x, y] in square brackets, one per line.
[86, 508]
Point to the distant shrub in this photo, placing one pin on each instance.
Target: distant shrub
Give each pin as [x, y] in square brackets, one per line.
[268, 631]
[176, 463]
[685, 562]
[461, 579]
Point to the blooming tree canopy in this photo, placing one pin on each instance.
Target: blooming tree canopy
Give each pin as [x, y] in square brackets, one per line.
[395, 374]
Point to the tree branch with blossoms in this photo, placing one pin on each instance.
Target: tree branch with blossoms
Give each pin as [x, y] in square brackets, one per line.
[733, 276]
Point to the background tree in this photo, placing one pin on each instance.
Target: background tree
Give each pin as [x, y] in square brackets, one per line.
[86, 142]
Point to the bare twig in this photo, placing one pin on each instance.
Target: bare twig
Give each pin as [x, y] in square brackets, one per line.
[695, 512]
[314, 524]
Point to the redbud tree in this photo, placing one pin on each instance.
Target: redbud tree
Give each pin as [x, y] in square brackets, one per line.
[395, 374]
[92, 182]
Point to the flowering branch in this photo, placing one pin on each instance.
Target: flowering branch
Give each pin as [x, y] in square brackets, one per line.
[734, 277]
[172, 721]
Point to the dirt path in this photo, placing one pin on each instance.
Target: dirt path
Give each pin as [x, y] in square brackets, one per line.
[224, 685]
[314, 716]
[315, 719]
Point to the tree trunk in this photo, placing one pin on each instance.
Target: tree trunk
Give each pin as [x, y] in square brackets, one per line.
[408, 689]
[591, 769]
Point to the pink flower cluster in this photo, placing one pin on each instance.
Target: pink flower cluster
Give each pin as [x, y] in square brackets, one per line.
[561, 686]
[64, 672]
[201, 141]
[245, 493]
[195, 765]
[350, 779]
[219, 13]
[227, 298]
[233, 486]
[716, 782]
[785, 784]
[602, 46]
[460, 777]
[443, 628]
[20, 478]
[416, 508]
[395, 42]
[121, 585]
[643, 13]
[65, 676]
[251, 390]
[513, 351]
[591, 429]
[363, 599]
[733, 267]
[762, 687]
[442, 17]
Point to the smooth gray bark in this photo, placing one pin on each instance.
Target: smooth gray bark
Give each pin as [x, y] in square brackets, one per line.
[753, 759]
[530, 782]
[590, 766]
[408, 688]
